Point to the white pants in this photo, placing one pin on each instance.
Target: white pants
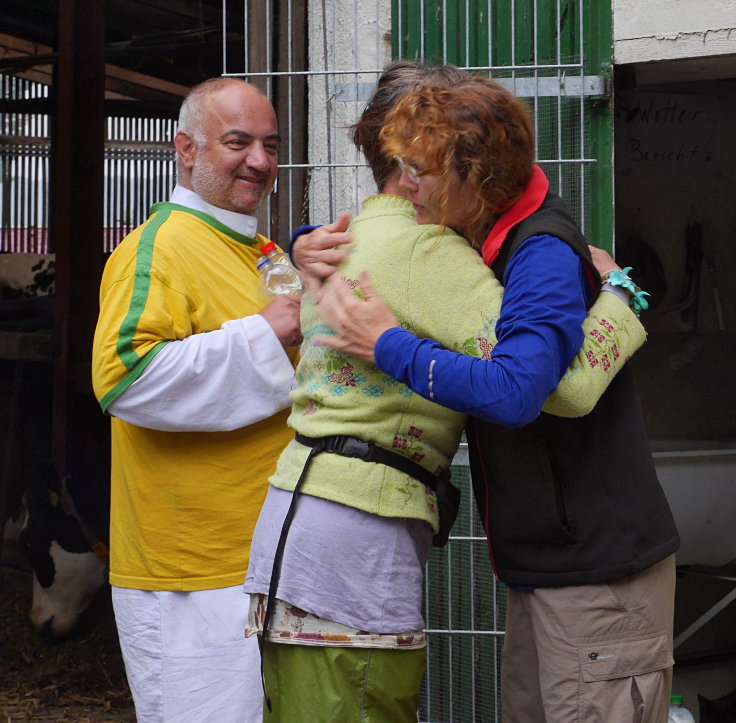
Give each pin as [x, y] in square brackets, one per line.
[186, 656]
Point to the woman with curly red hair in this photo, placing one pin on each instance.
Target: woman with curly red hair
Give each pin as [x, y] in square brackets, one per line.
[577, 523]
[474, 143]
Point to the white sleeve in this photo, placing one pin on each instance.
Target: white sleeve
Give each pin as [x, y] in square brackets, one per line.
[211, 382]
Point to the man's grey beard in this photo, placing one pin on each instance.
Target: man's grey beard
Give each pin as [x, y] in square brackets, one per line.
[210, 184]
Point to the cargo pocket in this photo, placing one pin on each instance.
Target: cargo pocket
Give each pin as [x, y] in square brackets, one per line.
[624, 658]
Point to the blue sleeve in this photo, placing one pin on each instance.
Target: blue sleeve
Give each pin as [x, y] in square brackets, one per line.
[539, 331]
[295, 235]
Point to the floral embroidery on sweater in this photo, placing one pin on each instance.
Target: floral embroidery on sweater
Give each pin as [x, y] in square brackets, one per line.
[410, 443]
[606, 342]
[481, 345]
[478, 346]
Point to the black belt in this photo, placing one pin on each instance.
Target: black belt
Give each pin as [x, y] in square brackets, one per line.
[367, 451]
[448, 496]
[448, 499]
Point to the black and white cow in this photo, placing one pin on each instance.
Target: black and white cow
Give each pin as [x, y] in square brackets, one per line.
[24, 275]
[26, 291]
[67, 573]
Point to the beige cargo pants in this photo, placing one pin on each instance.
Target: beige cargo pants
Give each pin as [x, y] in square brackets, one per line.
[590, 653]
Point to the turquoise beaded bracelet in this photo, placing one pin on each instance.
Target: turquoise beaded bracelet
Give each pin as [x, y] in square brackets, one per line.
[621, 278]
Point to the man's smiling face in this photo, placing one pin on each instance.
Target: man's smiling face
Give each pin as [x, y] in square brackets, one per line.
[237, 165]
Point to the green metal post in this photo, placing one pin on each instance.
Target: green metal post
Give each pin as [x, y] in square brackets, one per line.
[598, 43]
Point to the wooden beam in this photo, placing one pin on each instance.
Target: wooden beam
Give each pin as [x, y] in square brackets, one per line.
[77, 183]
[120, 83]
[258, 60]
[258, 42]
[133, 84]
[290, 101]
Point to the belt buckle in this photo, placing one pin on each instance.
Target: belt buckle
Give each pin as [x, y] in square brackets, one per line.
[353, 447]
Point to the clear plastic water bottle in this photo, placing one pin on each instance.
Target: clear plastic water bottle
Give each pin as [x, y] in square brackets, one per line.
[276, 274]
[678, 712]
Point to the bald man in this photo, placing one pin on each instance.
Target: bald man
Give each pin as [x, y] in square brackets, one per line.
[195, 370]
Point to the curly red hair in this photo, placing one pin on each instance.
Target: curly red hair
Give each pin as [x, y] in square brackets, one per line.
[476, 128]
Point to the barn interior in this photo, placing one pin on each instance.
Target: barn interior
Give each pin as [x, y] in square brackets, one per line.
[99, 60]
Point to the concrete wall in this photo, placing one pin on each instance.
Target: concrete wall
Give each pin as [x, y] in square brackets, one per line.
[652, 30]
[344, 36]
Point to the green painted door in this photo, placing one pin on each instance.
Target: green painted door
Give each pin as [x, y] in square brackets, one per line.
[555, 53]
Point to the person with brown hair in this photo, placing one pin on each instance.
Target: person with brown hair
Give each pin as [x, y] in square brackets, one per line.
[337, 560]
[577, 523]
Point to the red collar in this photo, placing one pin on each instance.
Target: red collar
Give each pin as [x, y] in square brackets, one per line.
[530, 200]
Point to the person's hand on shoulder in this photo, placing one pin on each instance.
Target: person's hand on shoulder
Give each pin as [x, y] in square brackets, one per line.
[316, 253]
[282, 313]
[602, 260]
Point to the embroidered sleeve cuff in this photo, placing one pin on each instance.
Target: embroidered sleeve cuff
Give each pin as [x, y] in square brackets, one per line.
[616, 291]
[613, 333]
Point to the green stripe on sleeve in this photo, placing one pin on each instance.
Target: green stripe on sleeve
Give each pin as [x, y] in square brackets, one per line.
[140, 291]
[128, 379]
[141, 287]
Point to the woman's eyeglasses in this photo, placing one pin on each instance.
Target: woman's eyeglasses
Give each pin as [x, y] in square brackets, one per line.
[411, 172]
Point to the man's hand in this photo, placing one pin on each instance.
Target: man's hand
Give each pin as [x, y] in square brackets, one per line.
[358, 322]
[602, 260]
[283, 315]
[316, 253]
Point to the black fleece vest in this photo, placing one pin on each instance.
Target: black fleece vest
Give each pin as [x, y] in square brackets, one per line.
[570, 501]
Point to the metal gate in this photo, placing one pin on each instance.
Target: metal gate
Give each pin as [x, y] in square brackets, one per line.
[319, 60]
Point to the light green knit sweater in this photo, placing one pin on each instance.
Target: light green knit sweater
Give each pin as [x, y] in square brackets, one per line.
[439, 288]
